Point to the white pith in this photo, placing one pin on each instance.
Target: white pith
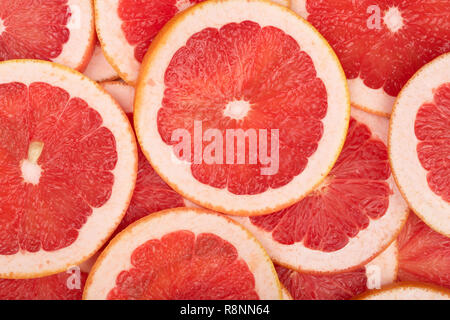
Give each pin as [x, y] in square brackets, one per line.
[151, 88]
[117, 255]
[393, 19]
[373, 100]
[99, 68]
[109, 28]
[367, 243]
[386, 264]
[409, 292]
[31, 170]
[237, 109]
[410, 175]
[103, 220]
[81, 35]
[122, 93]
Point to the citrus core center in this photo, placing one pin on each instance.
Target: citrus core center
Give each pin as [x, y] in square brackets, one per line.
[237, 109]
[393, 19]
[31, 171]
[2, 27]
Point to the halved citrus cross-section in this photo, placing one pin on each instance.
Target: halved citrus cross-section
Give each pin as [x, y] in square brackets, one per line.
[380, 43]
[62, 286]
[305, 286]
[419, 143]
[346, 221]
[68, 166]
[99, 68]
[407, 291]
[151, 193]
[243, 113]
[183, 254]
[57, 30]
[424, 254]
[126, 29]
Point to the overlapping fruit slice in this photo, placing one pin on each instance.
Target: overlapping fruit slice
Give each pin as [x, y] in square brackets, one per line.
[99, 68]
[67, 168]
[127, 28]
[419, 143]
[151, 193]
[62, 286]
[236, 116]
[57, 30]
[346, 221]
[305, 286]
[407, 291]
[183, 254]
[380, 43]
[424, 254]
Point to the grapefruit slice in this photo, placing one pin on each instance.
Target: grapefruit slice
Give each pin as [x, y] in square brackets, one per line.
[99, 68]
[55, 30]
[349, 219]
[127, 28]
[407, 291]
[67, 168]
[180, 254]
[268, 77]
[419, 144]
[62, 286]
[380, 43]
[424, 254]
[151, 193]
[305, 286]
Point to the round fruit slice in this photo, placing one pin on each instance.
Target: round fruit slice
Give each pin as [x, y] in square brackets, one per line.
[127, 28]
[151, 193]
[56, 30]
[99, 68]
[380, 43]
[407, 291]
[424, 254]
[349, 219]
[68, 166]
[183, 254]
[419, 143]
[304, 286]
[235, 116]
[62, 286]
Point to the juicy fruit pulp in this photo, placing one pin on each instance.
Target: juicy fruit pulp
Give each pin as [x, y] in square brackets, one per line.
[385, 41]
[432, 129]
[354, 193]
[184, 266]
[32, 29]
[424, 254]
[56, 160]
[143, 19]
[245, 77]
[55, 287]
[341, 286]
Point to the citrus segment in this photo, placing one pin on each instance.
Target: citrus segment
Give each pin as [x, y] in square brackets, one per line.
[380, 44]
[348, 219]
[213, 80]
[138, 23]
[151, 193]
[419, 137]
[424, 254]
[183, 254]
[407, 291]
[61, 286]
[58, 30]
[67, 161]
[341, 286]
